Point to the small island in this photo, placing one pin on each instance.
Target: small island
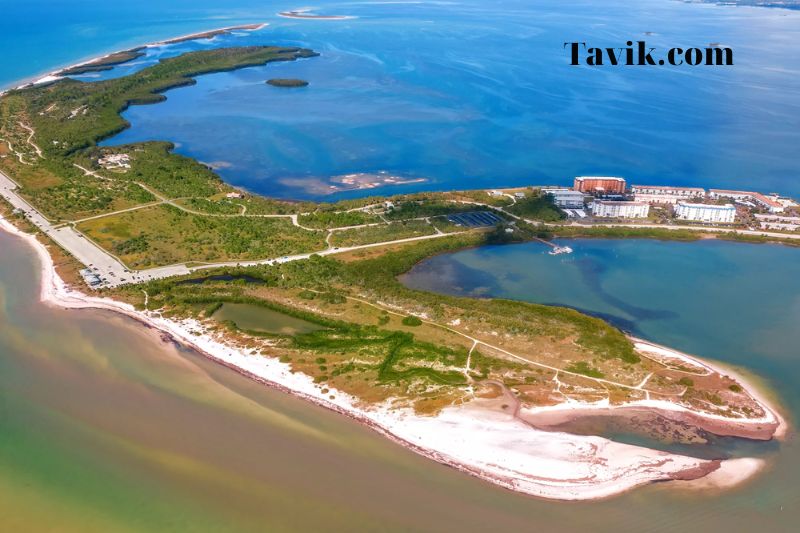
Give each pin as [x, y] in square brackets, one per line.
[287, 82]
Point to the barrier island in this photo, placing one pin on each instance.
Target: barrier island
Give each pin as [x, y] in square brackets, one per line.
[305, 296]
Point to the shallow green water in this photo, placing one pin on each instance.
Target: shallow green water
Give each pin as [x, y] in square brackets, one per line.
[106, 427]
[257, 318]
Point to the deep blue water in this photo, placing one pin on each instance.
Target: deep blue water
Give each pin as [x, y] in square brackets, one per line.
[466, 94]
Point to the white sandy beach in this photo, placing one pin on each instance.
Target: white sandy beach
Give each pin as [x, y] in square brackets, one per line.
[492, 446]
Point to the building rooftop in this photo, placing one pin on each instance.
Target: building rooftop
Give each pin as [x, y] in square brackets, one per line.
[569, 192]
[669, 188]
[755, 195]
[618, 202]
[599, 178]
[707, 206]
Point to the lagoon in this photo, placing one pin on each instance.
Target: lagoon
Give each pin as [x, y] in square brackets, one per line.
[251, 317]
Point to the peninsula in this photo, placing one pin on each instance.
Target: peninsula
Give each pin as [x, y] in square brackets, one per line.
[304, 296]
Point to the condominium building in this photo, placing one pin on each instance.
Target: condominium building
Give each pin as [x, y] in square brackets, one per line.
[665, 190]
[613, 209]
[599, 185]
[778, 222]
[772, 205]
[723, 214]
[662, 194]
[566, 198]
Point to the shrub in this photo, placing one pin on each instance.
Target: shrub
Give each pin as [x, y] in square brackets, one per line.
[411, 321]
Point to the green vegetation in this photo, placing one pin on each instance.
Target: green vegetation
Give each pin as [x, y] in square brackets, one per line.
[211, 207]
[382, 233]
[164, 235]
[330, 219]
[537, 206]
[105, 63]
[428, 205]
[154, 164]
[411, 320]
[582, 367]
[686, 382]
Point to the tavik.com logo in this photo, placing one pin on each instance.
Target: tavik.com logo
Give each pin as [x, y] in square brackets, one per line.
[639, 54]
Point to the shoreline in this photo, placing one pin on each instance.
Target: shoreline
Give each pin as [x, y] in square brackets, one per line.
[771, 426]
[57, 74]
[488, 445]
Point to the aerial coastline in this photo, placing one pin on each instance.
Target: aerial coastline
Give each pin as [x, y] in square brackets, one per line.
[600, 468]
[590, 468]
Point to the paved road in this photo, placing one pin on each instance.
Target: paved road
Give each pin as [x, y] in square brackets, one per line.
[110, 269]
[114, 273]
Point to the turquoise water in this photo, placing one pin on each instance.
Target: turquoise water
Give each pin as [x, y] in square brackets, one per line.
[479, 94]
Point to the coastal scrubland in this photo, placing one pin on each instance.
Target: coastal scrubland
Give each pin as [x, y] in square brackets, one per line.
[383, 341]
[384, 232]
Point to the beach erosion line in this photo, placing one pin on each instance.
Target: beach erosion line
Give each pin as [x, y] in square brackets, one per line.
[489, 445]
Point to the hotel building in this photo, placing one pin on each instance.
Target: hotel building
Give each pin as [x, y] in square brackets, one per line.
[599, 185]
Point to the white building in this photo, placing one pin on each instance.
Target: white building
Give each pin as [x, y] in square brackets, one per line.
[566, 198]
[785, 201]
[743, 196]
[614, 209]
[778, 222]
[662, 194]
[724, 214]
[665, 190]
[115, 161]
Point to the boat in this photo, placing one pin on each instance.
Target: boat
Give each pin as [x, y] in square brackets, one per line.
[558, 250]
